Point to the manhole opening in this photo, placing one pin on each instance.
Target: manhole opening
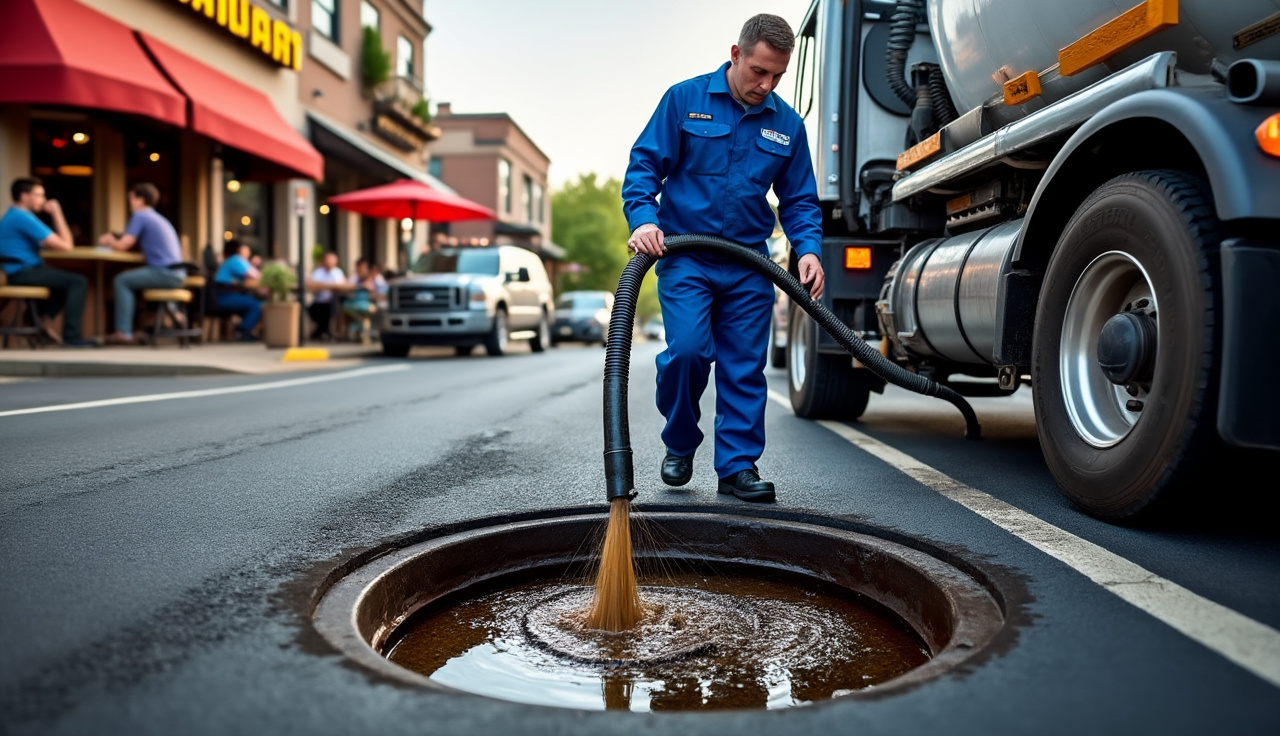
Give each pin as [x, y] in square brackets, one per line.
[744, 613]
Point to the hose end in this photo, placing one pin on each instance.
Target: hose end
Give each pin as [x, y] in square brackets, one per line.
[618, 475]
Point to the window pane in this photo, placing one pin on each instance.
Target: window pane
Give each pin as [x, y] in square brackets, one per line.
[324, 15]
[504, 184]
[404, 58]
[369, 16]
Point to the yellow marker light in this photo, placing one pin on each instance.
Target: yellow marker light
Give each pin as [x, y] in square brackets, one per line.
[1269, 135]
[857, 258]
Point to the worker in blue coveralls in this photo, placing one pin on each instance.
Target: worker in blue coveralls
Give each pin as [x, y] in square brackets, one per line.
[704, 164]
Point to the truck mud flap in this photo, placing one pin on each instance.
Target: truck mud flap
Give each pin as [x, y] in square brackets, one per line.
[1249, 393]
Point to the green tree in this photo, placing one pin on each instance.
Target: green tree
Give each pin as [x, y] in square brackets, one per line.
[587, 221]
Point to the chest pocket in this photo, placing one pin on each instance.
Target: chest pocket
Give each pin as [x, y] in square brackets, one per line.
[769, 159]
[706, 147]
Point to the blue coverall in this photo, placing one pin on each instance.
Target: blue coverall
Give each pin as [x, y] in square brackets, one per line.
[712, 163]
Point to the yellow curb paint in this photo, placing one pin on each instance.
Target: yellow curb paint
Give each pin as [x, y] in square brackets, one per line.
[294, 355]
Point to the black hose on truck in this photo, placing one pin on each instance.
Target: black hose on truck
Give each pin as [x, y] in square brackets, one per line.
[619, 469]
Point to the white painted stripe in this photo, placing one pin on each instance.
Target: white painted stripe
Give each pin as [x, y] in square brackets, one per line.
[210, 391]
[1248, 643]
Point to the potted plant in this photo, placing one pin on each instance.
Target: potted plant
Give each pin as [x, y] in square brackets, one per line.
[280, 316]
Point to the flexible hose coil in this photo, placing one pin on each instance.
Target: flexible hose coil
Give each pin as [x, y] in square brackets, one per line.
[619, 468]
[902, 33]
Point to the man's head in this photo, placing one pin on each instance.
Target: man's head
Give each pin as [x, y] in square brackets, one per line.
[28, 193]
[143, 195]
[760, 58]
[362, 267]
[234, 247]
[330, 260]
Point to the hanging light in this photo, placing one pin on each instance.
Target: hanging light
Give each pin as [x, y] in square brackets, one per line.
[154, 157]
[233, 185]
[245, 220]
[81, 138]
[324, 209]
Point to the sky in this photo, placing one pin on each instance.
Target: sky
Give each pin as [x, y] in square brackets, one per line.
[581, 77]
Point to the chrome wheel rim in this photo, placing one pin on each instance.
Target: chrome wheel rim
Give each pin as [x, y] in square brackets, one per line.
[1099, 409]
[544, 332]
[500, 327]
[797, 347]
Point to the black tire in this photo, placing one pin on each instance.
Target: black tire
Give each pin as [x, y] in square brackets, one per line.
[496, 342]
[822, 386]
[395, 349]
[1111, 460]
[777, 354]
[463, 351]
[542, 340]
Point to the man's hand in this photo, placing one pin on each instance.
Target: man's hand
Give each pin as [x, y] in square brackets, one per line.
[53, 208]
[648, 239]
[811, 274]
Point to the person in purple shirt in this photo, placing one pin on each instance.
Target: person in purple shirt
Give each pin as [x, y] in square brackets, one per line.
[22, 235]
[158, 241]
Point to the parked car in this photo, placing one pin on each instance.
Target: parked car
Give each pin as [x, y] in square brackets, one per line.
[466, 296]
[582, 316]
[654, 329]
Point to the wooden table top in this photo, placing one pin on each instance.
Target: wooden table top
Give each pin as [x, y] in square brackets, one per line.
[92, 253]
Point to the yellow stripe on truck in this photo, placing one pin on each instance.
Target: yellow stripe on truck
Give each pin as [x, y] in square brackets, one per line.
[1138, 23]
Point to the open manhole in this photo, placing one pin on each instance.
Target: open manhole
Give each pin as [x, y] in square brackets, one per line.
[741, 613]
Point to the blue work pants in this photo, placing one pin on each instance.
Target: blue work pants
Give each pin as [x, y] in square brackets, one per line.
[247, 306]
[715, 311]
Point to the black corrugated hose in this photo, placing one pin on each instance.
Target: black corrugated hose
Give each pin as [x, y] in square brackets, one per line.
[902, 33]
[619, 470]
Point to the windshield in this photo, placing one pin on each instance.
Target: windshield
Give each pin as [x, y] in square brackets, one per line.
[582, 303]
[478, 261]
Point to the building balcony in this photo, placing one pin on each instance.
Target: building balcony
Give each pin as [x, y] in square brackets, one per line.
[394, 104]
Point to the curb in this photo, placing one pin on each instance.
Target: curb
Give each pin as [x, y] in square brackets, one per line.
[60, 369]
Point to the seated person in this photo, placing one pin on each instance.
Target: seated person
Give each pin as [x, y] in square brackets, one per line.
[321, 308]
[232, 284]
[367, 286]
[22, 235]
[159, 243]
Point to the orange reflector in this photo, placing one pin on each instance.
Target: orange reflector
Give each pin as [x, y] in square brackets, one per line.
[1136, 24]
[920, 151]
[1269, 135]
[1022, 88]
[857, 258]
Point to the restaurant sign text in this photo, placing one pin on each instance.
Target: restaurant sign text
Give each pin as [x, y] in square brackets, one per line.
[241, 18]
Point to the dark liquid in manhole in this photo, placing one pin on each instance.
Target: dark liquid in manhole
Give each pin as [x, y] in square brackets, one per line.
[707, 642]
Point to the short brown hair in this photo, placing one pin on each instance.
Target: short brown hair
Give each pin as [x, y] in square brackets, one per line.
[23, 185]
[147, 192]
[771, 29]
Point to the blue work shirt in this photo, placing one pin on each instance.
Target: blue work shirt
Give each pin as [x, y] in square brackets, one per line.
[21, 234]
[713, 163]
[232, 271]
[156, 237]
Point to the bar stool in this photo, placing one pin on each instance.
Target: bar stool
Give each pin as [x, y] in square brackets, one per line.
[167, 301]
[23, 300]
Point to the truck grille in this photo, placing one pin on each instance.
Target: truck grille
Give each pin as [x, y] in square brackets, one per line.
[427, 298]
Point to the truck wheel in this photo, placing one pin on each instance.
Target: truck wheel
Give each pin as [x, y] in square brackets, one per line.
[496, 342]
[395, 349]
[1124, 369]
[777, 353]
[822, 386]
[542, 340]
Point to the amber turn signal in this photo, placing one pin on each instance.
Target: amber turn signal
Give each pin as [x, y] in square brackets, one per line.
[857, 258]
[1269, 135]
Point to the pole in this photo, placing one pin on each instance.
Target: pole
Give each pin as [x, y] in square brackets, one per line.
[300, 209]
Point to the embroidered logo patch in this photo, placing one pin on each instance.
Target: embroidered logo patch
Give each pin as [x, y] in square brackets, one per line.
[775, 136]
[699, 116]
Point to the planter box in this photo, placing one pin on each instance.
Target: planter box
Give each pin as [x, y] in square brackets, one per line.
[280, 324]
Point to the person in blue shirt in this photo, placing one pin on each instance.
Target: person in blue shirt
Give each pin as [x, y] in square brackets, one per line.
[22, 235]
[704, 164]
[232, 285]
[155, 237]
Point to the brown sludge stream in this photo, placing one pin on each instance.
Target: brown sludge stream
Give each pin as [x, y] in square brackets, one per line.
[705, 642]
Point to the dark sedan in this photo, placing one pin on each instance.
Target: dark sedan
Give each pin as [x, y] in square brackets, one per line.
[582, 316]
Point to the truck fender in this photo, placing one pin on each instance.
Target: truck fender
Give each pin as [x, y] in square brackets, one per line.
[1192, 129]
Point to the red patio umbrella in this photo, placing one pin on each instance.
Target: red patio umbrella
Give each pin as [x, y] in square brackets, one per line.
[412, 199]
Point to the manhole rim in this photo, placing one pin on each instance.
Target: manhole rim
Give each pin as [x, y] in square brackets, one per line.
[979, 616]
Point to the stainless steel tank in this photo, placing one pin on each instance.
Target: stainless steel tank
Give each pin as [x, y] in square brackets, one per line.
[983, 42]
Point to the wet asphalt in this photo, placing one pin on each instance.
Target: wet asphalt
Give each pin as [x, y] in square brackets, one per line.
[159, 561]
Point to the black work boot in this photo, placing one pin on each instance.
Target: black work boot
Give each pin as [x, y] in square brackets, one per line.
[677, 470]
[746, 484]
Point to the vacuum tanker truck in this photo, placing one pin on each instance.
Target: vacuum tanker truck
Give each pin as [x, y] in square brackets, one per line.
[1084, 195]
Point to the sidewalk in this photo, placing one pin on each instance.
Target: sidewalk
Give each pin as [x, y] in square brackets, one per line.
[170, 360]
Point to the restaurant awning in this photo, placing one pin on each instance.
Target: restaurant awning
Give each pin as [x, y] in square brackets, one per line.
[235, 114]
[59, 52]
[361, 154]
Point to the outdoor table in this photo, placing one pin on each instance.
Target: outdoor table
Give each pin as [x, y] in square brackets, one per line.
[95, 259]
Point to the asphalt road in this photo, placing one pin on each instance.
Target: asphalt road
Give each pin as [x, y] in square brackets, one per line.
[158, 560]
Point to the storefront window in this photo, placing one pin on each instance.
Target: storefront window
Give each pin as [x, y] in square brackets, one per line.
[151, 155]
[324, 18]
[435, 167]
[326, 222]
[62, 157]
[246, 208]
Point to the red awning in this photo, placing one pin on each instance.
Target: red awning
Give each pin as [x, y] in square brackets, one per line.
[59, 52]
[236, 115]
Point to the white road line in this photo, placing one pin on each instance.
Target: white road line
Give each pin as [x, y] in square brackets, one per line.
[210, 391]
[1248, 643]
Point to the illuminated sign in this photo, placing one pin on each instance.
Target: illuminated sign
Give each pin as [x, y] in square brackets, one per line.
[244, 20]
